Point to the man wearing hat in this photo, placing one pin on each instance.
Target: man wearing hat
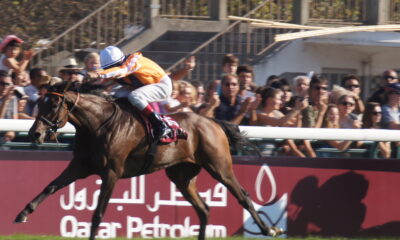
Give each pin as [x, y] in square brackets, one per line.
[144, 82]
[70, 71]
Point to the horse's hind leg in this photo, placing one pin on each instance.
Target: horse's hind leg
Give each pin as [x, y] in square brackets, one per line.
[73, 172]
[183, 176]
[109, 179]
[224, 174]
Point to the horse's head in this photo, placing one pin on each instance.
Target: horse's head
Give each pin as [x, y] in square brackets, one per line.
[54, 108]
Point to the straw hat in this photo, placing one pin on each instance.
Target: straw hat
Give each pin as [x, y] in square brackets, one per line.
[8, 39]
[69, 64]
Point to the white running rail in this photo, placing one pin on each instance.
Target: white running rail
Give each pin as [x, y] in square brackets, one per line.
[259, 132]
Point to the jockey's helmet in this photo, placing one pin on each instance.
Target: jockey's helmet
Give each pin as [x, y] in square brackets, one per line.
[111, 56]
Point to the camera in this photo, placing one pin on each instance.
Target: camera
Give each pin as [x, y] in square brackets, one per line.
[19, 92]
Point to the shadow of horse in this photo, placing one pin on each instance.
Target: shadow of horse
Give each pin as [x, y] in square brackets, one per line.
[334, 209]
[111, 142]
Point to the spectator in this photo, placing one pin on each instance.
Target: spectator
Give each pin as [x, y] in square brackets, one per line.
[230, 64]
[42, 90]
[271, 79]
[186, 96]
[21, 79]
[231, 107]
[390, 109]
[11, 48]
[8, 100]
[22, 100]
[6, 138]
[245, 75]
[388, 77]
[182, 98]
[91, 62]
[372, 120]
[38, 77]
[347, 119]
[331, 120]
[352, 83]
[200, 94]
[312, 116]
[284, 85]
[212, 100]
[188, 66]
[70, 71]
[302, 84]
[269, 115]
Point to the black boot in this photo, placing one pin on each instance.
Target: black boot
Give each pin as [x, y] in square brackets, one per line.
[160, 128]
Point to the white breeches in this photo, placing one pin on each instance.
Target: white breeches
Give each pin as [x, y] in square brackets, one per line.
[146, 94]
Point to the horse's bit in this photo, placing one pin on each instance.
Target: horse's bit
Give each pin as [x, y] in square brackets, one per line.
[54, 125]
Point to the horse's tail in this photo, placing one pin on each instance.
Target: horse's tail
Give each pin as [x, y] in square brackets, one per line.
[236, 138]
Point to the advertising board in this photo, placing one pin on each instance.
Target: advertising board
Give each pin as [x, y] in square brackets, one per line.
[342, 197]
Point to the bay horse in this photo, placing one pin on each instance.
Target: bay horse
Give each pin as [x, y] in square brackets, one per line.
[103, 126]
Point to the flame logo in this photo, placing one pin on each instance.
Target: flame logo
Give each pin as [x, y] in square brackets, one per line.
[265, 171]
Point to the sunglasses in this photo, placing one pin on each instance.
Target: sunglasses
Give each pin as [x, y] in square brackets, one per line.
[376, 113]
[352, 86]
[318, 88]
[5, 84]
[389, 77]
[347, 104]
[230, 84]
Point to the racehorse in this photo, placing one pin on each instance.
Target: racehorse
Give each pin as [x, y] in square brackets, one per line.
[111, 142]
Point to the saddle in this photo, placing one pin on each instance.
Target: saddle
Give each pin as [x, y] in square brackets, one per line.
[177, 131]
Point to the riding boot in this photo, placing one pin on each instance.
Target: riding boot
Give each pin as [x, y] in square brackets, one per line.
[160, 128]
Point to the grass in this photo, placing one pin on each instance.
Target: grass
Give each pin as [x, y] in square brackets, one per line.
[34, 237]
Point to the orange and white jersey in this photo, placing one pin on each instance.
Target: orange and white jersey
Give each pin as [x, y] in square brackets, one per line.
[144, 69]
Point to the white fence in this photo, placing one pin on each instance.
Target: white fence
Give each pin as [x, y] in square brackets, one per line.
[260, 132]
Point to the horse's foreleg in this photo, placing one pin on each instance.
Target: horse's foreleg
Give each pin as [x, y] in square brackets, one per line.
[73, 172]
[183, 176]
[107, 186]
[226, 176]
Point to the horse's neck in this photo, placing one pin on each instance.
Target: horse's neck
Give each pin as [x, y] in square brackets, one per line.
[91, 112]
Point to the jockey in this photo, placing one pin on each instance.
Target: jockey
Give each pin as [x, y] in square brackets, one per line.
[143, 80]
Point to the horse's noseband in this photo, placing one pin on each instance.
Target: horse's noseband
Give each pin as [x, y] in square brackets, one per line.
[55, 124]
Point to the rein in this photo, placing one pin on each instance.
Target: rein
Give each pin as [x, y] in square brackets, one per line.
[54, 124]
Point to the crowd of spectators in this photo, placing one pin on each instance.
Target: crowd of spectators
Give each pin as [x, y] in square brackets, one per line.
[304, 101]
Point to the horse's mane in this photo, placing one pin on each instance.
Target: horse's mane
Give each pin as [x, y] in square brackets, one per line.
[88, 88]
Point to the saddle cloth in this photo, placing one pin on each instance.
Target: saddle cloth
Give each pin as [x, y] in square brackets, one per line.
[177, 131]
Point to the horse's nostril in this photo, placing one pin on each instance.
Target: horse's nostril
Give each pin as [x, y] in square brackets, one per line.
[34, 136]
[37, 135]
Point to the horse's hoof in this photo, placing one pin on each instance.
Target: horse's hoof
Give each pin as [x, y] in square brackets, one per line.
[21, 219]
[275, 231]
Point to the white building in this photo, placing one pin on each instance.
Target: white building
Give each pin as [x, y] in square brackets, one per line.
[365, 54]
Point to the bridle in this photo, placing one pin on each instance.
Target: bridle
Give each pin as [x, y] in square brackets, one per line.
[55, 122]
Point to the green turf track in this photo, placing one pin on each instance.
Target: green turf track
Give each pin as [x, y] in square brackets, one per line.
[34, 237]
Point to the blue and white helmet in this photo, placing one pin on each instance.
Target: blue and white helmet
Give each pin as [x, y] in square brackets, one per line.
[110, 55]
